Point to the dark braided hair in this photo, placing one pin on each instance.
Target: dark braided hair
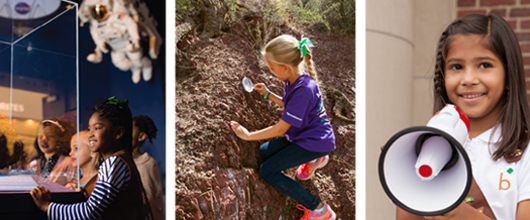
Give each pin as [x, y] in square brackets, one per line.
[501, 40]
[440, 94]
[146, 125]
[118, 115]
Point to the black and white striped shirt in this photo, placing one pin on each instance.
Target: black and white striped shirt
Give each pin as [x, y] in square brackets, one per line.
[113, 177]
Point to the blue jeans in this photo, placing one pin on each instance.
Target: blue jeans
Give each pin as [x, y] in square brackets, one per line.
[280, 154]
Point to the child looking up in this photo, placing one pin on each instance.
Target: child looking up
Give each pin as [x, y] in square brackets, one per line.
[118, 193]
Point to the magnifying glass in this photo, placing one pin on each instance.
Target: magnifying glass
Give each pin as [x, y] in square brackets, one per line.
[248, 85]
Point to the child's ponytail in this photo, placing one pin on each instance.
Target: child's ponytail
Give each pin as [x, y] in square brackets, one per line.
[146, 125]
[311, 67]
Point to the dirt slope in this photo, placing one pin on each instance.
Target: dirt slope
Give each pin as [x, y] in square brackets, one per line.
[217, 173]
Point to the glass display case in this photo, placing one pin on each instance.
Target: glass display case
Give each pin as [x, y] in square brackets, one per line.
[38, 82]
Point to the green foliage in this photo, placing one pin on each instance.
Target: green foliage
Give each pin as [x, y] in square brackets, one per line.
[182, 7]
[341, 15]
[262, 18]
[306, 12]
[335, 15]
[260, 30]
[232, 10]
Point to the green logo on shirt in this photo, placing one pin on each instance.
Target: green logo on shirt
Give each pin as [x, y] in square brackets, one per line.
[510, 171]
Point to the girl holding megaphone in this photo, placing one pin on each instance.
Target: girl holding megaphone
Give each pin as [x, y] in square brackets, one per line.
[479, 68]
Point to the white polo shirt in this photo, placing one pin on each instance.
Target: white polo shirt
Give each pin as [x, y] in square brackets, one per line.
[504, 184]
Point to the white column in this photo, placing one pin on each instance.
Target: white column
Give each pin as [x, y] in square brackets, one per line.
[401, 38]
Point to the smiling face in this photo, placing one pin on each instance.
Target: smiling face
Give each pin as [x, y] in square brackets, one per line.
[474, 79]
[102, 135]
[47, 141]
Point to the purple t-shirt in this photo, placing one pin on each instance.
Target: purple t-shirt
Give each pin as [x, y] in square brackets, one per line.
[304, 111]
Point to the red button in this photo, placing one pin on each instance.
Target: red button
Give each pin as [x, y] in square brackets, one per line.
[425, 171]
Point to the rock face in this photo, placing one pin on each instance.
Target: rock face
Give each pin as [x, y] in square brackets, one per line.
[217, 174]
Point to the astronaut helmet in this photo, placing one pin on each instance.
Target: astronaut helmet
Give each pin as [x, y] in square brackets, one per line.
[99, 12]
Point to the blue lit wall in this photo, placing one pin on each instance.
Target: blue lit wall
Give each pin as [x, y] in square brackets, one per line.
[100, 81]
[50, 66]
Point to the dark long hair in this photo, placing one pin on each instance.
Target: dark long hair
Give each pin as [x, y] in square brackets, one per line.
[502, 41]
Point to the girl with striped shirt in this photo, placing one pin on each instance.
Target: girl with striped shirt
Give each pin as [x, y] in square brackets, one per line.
[118, 193]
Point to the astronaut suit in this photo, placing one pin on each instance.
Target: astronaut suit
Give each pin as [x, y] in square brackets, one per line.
[120, 32]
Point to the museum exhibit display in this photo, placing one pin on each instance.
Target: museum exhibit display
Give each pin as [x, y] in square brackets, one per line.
[39, 92]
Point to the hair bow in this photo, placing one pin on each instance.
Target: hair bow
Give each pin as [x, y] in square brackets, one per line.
[118, 102]
[303, 44]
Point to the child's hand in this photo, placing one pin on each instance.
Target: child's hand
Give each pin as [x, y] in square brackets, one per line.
[42, 197]
[33, 165]
[261, 88]
[240, 131]
[72, 186]
[463, 211]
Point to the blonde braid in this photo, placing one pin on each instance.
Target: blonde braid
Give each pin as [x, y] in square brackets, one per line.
[311, 67]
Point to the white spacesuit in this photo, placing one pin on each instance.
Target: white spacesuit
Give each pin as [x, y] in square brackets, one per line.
[120, 31]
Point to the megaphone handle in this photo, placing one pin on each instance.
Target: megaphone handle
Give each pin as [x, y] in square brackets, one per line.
[419, 144]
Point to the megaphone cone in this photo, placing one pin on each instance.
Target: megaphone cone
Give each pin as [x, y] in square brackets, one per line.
[424, 169]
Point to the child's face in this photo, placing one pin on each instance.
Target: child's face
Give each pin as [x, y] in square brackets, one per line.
[47, 140]
[84, 150]
[101, 135]
[280, 71]
[135, 136]
[474, 77]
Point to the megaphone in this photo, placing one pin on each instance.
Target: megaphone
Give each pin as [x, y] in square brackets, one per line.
[424, 169]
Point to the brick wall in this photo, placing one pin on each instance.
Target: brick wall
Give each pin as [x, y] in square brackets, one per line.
[516, 12]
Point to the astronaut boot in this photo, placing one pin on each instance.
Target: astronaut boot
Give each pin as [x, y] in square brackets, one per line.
[120, 61]
[147, 69]
[95, 57]
[136, 75]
